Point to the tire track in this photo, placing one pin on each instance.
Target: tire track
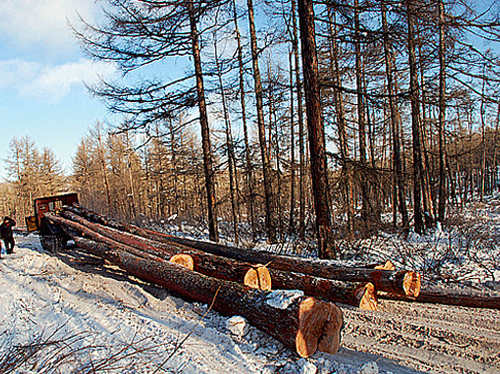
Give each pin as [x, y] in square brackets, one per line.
[427, 337]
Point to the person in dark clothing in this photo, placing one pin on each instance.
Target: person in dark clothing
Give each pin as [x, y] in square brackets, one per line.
[7, 235]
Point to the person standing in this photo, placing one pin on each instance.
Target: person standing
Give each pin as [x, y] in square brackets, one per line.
[7, 235]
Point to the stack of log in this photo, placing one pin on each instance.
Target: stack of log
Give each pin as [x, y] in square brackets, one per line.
[238, 281]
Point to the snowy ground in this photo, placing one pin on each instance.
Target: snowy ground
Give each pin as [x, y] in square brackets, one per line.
[70, 313]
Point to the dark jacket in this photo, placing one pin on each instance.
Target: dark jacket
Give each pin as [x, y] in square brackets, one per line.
[6, 227]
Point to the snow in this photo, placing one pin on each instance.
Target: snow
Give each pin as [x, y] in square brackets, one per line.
[69, 313]
[282, 299]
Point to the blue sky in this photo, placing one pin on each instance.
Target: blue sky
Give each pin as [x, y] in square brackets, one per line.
[42, 75]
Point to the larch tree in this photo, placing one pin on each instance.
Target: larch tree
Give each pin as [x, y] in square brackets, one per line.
[317, 148]
[140, 33]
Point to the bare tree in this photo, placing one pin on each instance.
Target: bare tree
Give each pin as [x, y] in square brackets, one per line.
[316, 130]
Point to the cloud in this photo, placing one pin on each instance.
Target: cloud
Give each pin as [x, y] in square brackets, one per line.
[50, 83]
[43, 23]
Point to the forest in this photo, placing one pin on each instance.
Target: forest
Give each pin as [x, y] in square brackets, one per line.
[287, 120]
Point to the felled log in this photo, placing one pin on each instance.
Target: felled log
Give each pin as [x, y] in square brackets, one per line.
[305, 325]
[451, 296]
[395, 282]
[255, 277]
[204, 263]
[361, 295]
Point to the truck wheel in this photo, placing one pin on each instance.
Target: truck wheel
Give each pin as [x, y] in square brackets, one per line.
[51, 243]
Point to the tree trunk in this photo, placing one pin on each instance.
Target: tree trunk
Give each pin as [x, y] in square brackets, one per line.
[341, 123]
[394, 117]
[442, 295]
[442, 114]
[415, 124]
[102, 163]
[401, 282]
[306, 325]
[266, 166]
[365, 208]
[302, 168]
[229, 147]
[205, 130]
[361, 295]
[319, 170]
[204, 263]
[249, 170]
[291, 223]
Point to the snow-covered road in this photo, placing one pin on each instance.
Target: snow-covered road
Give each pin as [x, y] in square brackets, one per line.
[72, 313]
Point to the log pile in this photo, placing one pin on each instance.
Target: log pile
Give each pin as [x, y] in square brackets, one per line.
[239, 281]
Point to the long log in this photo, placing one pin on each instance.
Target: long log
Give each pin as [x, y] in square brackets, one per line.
[447, 296]
[305, 325]
[204, 263]
[257, 277]
[395, 282]
[361, 295]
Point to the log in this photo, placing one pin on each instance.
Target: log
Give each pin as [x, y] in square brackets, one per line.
[361, 295]
[305, 325]
[449, 296]
[396, 282]
[257, 277]
[204, 263]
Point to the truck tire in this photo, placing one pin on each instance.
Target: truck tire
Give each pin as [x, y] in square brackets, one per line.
[51, 243]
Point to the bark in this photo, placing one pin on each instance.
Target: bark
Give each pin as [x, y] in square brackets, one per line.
[306, 325]
[248, 164]
[291, 224]
[442, 295]
[298, 82]
[442, 114]
[341, 124]
[255, 277]
[266, 165]
[361, 295]
[399, 282]
[317, 149]
[230, 148]
[365, 208]
[415, 124]
[205, 129]
[394, 118]
[204, 263]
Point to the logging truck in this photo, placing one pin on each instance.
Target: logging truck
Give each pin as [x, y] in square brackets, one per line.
[52, 237]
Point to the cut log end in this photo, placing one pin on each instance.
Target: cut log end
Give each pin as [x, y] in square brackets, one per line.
[183, 260]
[320, 325]
[259, 278]
[411, 284]
[367, 297]
[387, 266]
